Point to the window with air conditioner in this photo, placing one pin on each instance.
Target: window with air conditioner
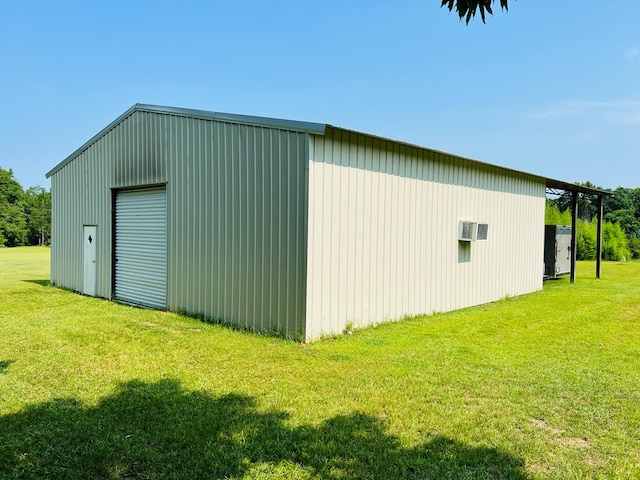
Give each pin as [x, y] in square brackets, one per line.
[467, 231]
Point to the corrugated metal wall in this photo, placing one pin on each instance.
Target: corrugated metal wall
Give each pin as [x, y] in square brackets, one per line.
[81, 196]
[383, 226]
[238, 219]
[237, 213]
[129, 155]
[382, 222]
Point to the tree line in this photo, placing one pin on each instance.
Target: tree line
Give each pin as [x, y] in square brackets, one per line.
[620, 227]
[25, 215]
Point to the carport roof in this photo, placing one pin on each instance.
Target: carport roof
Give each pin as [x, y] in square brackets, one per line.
[555, 185]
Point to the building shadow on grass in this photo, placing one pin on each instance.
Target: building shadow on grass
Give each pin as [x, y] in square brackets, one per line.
[160, 430]
[42, 283]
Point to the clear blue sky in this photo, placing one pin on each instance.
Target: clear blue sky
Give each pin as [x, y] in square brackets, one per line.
[551, 87]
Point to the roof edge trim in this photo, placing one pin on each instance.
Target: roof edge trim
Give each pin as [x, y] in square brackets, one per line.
[86, 144]
[549, 182]
[295, 125]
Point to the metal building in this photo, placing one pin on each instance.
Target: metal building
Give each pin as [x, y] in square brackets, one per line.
[298, 227]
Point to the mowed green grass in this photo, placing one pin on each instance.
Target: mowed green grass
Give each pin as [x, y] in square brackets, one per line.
[541, 386]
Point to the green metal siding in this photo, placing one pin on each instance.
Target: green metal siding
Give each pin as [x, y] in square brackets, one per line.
[236, 214]
[81, 196]
[238, 220]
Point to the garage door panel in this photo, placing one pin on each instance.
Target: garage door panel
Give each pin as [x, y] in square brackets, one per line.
[141, 247]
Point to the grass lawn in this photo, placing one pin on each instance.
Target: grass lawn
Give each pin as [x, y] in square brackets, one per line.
[541, 386]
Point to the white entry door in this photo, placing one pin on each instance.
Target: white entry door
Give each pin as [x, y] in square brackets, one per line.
[89, 260]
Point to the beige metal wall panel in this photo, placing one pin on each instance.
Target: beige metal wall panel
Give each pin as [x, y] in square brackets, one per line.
[383, 232]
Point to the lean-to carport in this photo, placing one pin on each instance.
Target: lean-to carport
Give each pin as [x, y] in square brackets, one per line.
[554, 187]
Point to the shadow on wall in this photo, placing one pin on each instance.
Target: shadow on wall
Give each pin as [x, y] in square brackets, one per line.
[158, 430]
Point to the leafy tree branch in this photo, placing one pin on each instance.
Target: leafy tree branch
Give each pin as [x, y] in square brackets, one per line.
[467, 8]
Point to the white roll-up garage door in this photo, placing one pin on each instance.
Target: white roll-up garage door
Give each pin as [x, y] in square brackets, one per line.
[141, 247]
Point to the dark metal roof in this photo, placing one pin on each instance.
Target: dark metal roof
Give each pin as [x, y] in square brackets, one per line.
[295, 125]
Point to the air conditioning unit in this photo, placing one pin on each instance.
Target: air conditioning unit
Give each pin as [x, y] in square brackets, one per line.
[482, 232]
[467, 231]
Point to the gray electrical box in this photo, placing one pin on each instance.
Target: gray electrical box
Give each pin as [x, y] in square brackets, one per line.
[557, 250]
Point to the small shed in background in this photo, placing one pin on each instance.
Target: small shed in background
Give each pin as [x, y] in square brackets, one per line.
[298, 227]
[557, 250]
